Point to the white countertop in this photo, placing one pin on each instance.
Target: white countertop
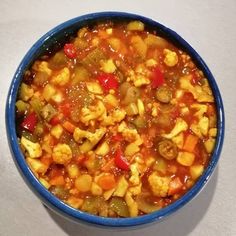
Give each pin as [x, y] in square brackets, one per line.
[209, 26]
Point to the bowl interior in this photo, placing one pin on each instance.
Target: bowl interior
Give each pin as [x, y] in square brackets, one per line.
[53, 41]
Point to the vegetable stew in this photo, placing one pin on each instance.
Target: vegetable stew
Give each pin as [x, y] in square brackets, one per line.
[117, 123]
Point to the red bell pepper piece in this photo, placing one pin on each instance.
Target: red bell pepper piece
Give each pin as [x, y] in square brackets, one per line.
[30, 122]
[120, 160]
[70, 50]
[157, 78]
[108, 81]
[117, 138]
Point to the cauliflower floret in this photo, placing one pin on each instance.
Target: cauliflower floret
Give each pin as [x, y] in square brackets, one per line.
[171, 58]
[138, 77]
[121, 188]
[134, 179]
[92, 112]
[201, 94]
[132, 136]
[116, 116]
[61, 153]
[151, 62]
[111, 100]
[33, 149]
[180, 126]
[42, 66]
[159, 185]
[94, 87]
[91, 138]
[140, 80]
[108, 66]
[132, 205]
[62, 77]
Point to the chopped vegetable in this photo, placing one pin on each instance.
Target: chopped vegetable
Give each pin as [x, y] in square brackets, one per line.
[171, 58]
[163, 94]
[157, 78]
[29, 122]
[34, 150]
[26, 92]
[62, 153]
[120, 160]
[117, 121]
[83, 183]
[108, 81]
[135, 25]
[167, 149]
[186, 158]
[190, 143]
[196, 171]
[175, 186]
[107, 181]
[70, 51]
[146, 204]
[119, 206]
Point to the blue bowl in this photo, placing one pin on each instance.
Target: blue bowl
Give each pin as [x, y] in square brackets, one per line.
[47, 43]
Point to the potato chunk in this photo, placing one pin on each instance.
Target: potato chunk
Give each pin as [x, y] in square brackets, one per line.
[185, 158]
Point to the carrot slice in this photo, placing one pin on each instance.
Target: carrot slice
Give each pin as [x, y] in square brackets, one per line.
[107, 182]
[69, 126]
[190, 143]
[57, 180]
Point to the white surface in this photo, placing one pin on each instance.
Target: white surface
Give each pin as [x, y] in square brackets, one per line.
[209, 26]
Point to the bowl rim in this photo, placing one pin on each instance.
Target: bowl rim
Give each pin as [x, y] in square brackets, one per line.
[59, 206]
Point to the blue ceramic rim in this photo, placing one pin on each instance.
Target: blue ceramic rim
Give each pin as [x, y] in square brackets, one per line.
[53, 202]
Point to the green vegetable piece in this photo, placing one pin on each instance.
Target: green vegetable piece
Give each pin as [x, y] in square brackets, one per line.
[94, 58]
[140, 122]
[36, 104]
[58, 61]
[95, 206]
[48, 112]
[164, 94]
[119, 206]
